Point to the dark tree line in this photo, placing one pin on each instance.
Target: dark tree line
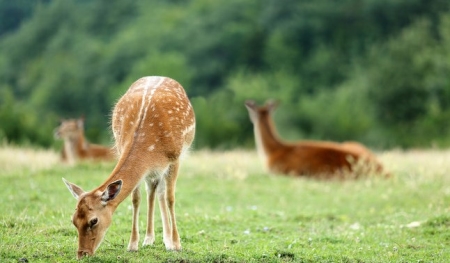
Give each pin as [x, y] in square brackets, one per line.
[373, 71]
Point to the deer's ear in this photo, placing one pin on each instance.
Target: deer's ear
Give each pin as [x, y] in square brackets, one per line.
[74, 189]
[272, 104]
[112, 191]
[250, 104]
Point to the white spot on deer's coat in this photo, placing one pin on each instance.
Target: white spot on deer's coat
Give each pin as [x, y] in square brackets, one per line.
[151, 148]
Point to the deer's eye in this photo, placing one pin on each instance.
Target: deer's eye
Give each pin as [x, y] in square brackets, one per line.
[93, 222]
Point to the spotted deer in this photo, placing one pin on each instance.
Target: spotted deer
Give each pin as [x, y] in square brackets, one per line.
[76, 147]
[319, 159]
[153, 125]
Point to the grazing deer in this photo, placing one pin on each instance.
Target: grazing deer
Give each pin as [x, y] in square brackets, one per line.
[153, 125]
[309, 158]
[76, 147]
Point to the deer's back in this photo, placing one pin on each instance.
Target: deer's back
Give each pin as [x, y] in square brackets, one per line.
[314, 158]
[100, 152]
[154, 118]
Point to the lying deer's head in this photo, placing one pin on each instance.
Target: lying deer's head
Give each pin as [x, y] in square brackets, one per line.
[69, 129]
[256, 112]
[92, 215]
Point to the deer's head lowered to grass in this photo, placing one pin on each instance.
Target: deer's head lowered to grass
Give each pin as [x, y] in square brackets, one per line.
[153, 125]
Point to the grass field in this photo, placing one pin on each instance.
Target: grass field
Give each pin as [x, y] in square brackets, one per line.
[230, 210]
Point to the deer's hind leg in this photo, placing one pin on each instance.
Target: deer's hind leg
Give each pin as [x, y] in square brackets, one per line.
[172, 237]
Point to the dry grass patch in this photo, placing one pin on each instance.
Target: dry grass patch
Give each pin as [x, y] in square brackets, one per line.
[237, 164]
[14, 158]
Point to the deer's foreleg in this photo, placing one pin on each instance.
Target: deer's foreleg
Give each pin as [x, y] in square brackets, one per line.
[151, 189]
[134, 240]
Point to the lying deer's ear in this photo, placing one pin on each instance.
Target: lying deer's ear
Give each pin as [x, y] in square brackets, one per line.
[272, 104]
[250, 104]
[73, 188]
[112, 191]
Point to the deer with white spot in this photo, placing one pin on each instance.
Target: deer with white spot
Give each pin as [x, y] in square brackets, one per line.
[153, 125]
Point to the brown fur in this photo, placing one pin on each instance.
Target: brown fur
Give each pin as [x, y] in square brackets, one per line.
[76, 147]
[310, 158]
[153, 124]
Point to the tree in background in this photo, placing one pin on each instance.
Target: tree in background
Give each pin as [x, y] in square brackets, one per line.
[373, 71]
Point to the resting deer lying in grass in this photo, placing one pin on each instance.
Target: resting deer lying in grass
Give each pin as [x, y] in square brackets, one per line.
[153, 125]
[76, 147]
[309, 158]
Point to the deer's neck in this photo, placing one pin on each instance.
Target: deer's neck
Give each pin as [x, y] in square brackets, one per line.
[75, 146]
[131, 176]
[70, 150]
[266, 137]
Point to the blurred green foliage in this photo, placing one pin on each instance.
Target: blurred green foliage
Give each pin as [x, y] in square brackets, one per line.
[365, 70]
